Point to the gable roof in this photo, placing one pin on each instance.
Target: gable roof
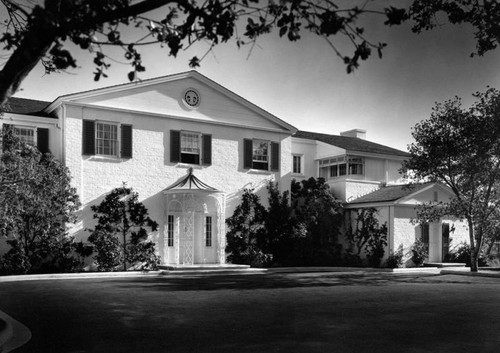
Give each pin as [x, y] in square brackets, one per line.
[391, 193]
[168, 78]
[351, 144]
[25, 106]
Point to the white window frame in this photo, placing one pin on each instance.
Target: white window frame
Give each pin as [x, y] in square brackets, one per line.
[116, 152]
[27, 128]
[198, 135]
[301, 164]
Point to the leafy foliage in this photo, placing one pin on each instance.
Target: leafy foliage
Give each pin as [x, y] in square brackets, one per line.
[298, 234]
[36, 203]
[120, 214]
[395, 259]
[246, 235]
[484, 16]
[319, 214]
[35, 31]
[367, 236]
[461, 149]
[419, 253]
[461, 254]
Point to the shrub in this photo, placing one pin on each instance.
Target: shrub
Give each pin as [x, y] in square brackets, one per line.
[395, 259]
[462, 254]
[418, 253]
[121, 214]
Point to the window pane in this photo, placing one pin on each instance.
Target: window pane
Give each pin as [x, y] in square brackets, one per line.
[296, 164]
[107, 139]
[26, 135]
[334, 171]
[208, 231]
[190, 143]
[260, 151]
[170, 230]
[342, 169]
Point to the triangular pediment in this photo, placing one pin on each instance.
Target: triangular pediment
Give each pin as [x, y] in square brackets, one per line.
[165, 96]
[431, 193]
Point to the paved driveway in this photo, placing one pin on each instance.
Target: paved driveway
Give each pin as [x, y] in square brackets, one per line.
[322, 312]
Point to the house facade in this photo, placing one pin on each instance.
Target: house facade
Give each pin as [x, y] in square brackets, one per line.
[190, 147]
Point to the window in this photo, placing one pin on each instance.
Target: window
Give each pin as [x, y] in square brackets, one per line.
[355, 166]
[425, 235]
[208, 231]
[34, 136]
[25, 134]
[261, 155]
[190, 147]
[340, 166]
[107, 139]
[297, 164]
[170, 230]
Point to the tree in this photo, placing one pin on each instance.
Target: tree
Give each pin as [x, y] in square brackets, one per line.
[42, 32]
[461, 149]
[36, 203]
[368, 236]
[120, 214]
[246, 232]
[320, 213]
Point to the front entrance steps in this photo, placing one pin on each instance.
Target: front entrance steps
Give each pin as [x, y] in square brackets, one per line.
[206, 268]
[444, 264]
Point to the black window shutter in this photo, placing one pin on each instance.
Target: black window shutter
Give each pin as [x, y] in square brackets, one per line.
[175, 146]
[207, 149]
[88, 137]
[42, 140]
[126, 141]
[247, 153]
[275, 156]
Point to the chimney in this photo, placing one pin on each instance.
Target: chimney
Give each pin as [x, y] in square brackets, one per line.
[358, 133]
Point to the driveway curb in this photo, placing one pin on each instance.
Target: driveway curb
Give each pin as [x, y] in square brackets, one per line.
[13, 335]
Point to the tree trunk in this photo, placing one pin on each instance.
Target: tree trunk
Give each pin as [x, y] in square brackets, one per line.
[43, 31]
[473, 254]
[35, 44]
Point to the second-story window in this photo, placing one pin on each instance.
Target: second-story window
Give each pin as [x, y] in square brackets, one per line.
[261, 155]
[25, 134]
[106, 139]
[31, 135]
[341, 166]
[190, 147]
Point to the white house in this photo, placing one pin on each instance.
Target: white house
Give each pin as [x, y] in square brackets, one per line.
[190, 147]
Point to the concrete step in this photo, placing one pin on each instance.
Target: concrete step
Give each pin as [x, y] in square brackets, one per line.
[205, 267]
[444, 264]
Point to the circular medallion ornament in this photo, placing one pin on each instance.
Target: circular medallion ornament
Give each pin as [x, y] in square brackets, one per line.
[191, 98]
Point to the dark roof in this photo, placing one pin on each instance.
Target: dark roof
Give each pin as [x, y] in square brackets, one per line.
[390, 193]
[25, 106]
[351, 143]
[190, 182]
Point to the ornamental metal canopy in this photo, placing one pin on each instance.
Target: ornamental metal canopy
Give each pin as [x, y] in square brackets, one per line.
[190, 182]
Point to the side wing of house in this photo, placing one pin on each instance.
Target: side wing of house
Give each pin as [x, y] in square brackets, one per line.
[352, 166]
[397, 207]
